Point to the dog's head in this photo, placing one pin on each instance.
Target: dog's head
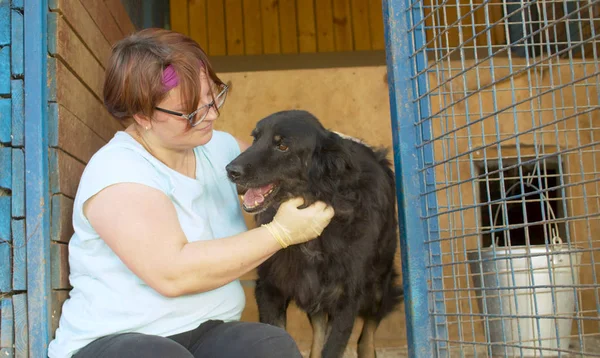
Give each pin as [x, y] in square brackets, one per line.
[292, 155]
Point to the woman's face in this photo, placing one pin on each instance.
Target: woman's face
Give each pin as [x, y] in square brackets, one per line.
[172, 130]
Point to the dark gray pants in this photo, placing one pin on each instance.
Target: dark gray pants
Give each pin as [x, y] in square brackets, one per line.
[213, 339]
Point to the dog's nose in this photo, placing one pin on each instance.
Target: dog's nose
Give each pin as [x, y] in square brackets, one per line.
[234, 171]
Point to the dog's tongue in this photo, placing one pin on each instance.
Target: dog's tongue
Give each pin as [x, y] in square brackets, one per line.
[256, 196]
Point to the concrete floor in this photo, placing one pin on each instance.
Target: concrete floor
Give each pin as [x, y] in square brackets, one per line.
[591, 349]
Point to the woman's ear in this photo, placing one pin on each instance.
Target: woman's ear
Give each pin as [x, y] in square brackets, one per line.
[142, 121]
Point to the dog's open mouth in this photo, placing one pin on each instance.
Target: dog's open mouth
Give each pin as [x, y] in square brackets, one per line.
[256, 199]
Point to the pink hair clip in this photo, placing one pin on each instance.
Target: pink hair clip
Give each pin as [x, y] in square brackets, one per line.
[170, 79]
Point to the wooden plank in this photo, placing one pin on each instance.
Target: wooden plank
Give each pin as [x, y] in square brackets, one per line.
[58, 299]
[7, 324]
[4, 23]
[5, 70]
[120, 15]
[361, 29]
[288, 26]
[496, 11]
[465, 25]
[21, 327]
[72, 51]
[269, 10]
[342, 27]
[69, 92]
[5, 121]
[64, 127]
[18, 183]
[17, 42]
[449, 14]
[217, 45]
[428, 16]
[19, 255]
[17, 4]
[235, 27]
[79, 19]
[198, 27]
[307, 27]
[376, 23]
[59, 265]
[179, 16]
[253, 38]
[37, 182]
[5, 246]
[103, 19]
[61, 219]
[17, 113]
[6, 169]
[65, 173]
[5, 219]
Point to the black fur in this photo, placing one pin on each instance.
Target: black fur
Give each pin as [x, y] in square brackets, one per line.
[349, 270]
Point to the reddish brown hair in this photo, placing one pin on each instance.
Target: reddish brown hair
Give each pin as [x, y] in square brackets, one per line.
[133, 81]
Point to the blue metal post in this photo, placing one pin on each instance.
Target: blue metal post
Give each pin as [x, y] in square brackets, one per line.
[420, 249]
[37, 202]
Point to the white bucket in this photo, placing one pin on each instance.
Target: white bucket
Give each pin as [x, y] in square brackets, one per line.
[515, 282]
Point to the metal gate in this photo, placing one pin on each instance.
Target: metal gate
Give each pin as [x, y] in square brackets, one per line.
[496, 128]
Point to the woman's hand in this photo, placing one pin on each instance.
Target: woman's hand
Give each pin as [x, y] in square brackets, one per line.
[292, 226]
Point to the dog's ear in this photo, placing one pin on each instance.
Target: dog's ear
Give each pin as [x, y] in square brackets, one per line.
[331, 161]
[333, 173]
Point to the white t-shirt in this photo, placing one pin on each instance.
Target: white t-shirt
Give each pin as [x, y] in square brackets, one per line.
[107, 297]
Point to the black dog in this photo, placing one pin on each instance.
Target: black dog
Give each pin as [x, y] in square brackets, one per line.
[349, 270]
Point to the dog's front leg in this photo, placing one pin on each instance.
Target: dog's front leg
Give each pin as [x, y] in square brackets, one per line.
[339, 330]
[272, 305]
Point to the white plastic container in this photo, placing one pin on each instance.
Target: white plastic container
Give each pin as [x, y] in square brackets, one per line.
[521, 288]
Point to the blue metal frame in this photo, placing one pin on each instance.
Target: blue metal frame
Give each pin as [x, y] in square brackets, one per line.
[37, 204]
[419, 247]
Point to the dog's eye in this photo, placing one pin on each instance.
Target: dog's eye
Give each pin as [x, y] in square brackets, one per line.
[282, 147]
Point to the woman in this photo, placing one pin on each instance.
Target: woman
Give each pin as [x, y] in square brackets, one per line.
[160, 240]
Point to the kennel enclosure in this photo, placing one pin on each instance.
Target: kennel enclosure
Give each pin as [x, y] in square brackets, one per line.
[496, 128]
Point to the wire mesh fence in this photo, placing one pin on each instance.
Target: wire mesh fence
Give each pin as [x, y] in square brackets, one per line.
[508, 130]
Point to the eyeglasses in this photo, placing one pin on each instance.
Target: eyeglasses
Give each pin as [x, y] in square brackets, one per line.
[198, 115]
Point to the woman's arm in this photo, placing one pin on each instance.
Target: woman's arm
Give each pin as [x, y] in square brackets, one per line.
[140, 225]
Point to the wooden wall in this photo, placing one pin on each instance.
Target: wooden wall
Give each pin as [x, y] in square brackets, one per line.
[13, 264]
[81, 33]
[255, 27]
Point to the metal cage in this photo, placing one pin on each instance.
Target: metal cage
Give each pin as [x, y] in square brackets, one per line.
[496, 128]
